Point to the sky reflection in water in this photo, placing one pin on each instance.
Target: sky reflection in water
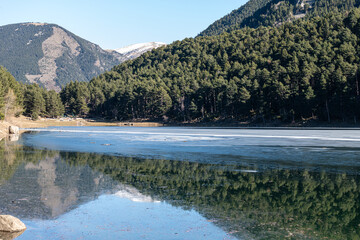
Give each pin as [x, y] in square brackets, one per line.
[111, 217]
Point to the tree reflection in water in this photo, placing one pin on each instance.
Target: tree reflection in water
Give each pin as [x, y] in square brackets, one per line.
[273, 203]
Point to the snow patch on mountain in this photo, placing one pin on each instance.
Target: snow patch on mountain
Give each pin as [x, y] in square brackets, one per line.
[136, 50]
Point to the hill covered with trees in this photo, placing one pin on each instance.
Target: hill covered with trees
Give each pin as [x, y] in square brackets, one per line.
[256, 13]
[301, 69]
[28, 99]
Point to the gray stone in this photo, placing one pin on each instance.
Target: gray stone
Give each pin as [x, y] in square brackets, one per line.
[9, 223]
[14, 130]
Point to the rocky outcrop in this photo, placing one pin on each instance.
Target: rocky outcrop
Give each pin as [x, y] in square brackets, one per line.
[51, 56]
[53, 48]
[9, 223]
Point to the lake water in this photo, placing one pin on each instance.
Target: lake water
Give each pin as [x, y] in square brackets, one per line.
[183, 183]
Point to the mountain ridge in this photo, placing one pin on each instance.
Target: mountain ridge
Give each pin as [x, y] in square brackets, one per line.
[51, 56]
[256, 13]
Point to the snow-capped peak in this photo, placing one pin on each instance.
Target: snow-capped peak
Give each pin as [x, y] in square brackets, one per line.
[135, 50]
[140, 46]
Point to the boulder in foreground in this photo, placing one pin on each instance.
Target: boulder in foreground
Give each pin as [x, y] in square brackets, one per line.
[11, 224]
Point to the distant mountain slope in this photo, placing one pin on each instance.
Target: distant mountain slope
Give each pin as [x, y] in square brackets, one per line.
[136, 50]
[234, 18]
[301, 70]
[257, 13]
[51, 56]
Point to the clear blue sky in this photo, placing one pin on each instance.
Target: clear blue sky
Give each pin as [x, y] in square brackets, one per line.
[117, 23]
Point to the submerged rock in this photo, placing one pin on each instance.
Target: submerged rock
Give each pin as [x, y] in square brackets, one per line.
[9, 223]
[14, 130]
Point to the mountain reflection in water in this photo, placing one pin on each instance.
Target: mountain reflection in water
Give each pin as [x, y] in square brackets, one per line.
[244, 202]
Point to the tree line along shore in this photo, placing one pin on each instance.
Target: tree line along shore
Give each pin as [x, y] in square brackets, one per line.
[300, 71]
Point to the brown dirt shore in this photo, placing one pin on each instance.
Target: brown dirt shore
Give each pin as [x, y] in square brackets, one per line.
[25, 122]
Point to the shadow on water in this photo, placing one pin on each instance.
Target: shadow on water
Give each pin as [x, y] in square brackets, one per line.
[247, 203]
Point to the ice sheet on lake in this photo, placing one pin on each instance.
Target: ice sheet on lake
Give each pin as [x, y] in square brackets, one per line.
[250, 147]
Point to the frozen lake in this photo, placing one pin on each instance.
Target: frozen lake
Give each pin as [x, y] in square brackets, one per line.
[183, 183]
[331, 149]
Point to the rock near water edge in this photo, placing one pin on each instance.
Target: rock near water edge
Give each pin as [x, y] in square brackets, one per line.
[11, 224]
[14, 130]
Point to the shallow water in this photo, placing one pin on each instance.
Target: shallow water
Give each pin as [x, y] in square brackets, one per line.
[183, 183]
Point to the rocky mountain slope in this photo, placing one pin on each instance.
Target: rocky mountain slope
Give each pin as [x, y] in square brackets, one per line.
[51, 56]
[136, 50]
[257, 13]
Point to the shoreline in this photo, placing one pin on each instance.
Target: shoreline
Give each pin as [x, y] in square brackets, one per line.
[25, 122]
[303, 125]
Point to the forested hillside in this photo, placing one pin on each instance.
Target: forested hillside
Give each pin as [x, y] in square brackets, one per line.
[302, 69]
[31, 100]
[10, 93]
[235, 17]
[257, 13]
